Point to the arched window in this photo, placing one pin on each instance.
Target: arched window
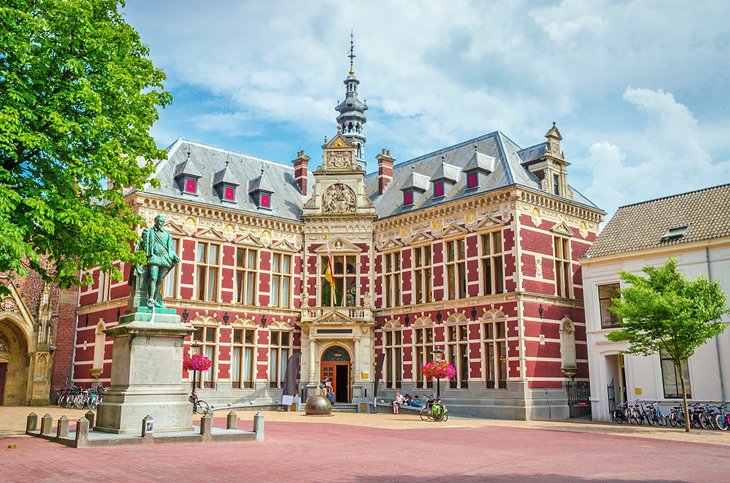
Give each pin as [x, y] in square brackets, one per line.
[423, 348]
[393, 348]
[494, 349]
[457, 349]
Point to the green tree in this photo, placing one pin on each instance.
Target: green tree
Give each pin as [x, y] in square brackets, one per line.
[78, 95]
[666, 312]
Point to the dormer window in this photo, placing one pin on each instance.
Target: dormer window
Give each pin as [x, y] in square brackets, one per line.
[472, 180]
[229, 194]
[408, 198]
[675, 233]
[191, 185]
[187, 176]
[261, 189]
[438, 189]
[265, 200]
[225, 184]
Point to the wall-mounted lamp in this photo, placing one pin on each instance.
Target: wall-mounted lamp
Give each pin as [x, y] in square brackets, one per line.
[185, 315]
[86, 320]
[119, 313]
[263, 321]
[226, 318]
[408, 320]
[540, 311]
[473, 314]
[438, 317]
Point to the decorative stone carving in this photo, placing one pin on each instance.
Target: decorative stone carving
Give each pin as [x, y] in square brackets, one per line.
[339, 160]
[338, 198]
[538, 266]
[536, 216]
[4, 344]
[8, 305]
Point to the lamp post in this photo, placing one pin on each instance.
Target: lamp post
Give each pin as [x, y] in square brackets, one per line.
[438, 355]
[195, 344]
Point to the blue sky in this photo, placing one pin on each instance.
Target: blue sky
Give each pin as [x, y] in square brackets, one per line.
[639, 89]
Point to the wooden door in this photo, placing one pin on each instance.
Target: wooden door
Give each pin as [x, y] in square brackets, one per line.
[3, 373]
[328, 370]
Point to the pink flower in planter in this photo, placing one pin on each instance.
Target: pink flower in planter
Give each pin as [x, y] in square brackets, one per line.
[197, 362]
[438, 369]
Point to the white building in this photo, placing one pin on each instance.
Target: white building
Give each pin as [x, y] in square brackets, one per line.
[692, 227]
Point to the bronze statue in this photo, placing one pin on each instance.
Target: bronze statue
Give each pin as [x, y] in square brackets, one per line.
[161, 258]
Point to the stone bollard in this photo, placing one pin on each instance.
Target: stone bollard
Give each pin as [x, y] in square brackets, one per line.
[62, 428]
[258, 426]
[46, 424]
[90, 416]
[31, 424]
[206, 426]
[232, 421]
[148, 428]
[82, 433]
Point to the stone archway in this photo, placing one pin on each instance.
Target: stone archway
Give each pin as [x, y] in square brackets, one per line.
[14, 363]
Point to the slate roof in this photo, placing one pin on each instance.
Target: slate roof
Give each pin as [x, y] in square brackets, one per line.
[644, 225]
[210, 161]
[508, 170]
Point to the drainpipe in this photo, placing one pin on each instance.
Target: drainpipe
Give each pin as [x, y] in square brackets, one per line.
[717, 337]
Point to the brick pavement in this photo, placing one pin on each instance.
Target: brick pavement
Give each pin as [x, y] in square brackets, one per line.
[351, 447]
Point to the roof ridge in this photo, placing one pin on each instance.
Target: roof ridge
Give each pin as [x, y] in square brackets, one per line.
[448, 148]
[676, 195]
[506, 161]
[228, 151]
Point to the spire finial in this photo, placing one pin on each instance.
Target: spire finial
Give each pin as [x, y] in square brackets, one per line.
[351, 52]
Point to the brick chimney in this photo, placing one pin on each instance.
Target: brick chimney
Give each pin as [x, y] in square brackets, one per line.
[385, 169]
[300, 171]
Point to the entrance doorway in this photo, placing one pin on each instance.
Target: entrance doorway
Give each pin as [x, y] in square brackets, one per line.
[336, 366]
[616, 375]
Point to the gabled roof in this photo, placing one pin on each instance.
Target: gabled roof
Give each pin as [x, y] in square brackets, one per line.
[210, 161]
[507, 170]
[187, 168]
[446, 171]
[262, 183]
[416, 180]
[662, 222]
[480, 161]
[225, 176]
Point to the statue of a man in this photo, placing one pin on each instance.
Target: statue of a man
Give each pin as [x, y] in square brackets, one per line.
[161, 258]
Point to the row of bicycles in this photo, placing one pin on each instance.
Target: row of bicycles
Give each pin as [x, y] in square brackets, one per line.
[703, 416]
[79, 397]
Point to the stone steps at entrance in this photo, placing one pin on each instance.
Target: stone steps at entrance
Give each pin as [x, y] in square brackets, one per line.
[344, 407]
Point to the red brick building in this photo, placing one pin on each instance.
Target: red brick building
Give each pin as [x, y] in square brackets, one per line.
[472, 249]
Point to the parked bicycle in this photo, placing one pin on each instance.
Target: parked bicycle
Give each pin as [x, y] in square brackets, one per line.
[434, 410]
[199, 406]
[618, 415]
[654, 415]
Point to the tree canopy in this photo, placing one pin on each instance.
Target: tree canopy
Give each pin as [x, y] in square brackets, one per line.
[666, 312]
[78, 95]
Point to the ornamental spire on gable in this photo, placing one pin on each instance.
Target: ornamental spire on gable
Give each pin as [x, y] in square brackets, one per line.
[351, 118]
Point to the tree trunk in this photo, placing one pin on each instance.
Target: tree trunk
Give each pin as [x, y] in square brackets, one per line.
[687, 422]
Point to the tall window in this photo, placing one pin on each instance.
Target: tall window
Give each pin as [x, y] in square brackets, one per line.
[169, 285]
[393, 345]
[492, 263]
[423, 348]
[556, 184]
[456, 269]
[605, 294]
[392, 279]
[246, 275]
[495, 353]
[422, 274]
[281, 270]
[670, 377]
[562, 266]
[207, 269]
[207, 337]
[457, 353]
[345, 276]
[243, 352]
[279, 351]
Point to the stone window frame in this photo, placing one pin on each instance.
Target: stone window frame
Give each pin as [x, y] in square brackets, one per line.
[209, 346]
[669, 374]
[212, 271]
[279, 328]
[241, 296]
[174, 274]
[392, 277]
[489, 257]
[282, 276]
[244, 327]
[455, 269]
[614, 320]
[563, 266]
[456, 335]
[422, 274]
[423, 347]
[344, 276]
[493, 343]
[393, 350]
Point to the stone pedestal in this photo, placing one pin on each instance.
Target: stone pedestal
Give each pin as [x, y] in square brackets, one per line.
[146, 376]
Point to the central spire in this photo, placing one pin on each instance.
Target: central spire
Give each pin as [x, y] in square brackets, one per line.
[351, 116]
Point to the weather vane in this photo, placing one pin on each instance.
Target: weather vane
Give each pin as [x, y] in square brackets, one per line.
[351, 53]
